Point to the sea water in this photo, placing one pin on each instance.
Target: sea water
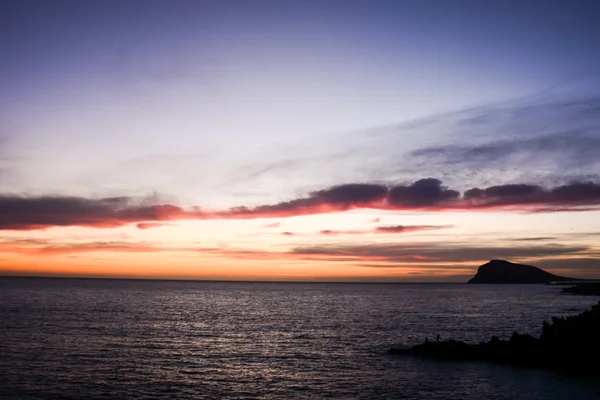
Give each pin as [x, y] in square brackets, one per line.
[136, 339]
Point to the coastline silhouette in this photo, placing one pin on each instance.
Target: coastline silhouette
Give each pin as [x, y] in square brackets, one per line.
[570, 345]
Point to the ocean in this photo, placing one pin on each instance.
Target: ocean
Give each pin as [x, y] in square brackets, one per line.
[136, 339]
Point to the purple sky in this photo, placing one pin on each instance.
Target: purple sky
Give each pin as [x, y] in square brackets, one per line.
[220, 104]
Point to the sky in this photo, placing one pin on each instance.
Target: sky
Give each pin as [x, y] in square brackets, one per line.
[298, 140]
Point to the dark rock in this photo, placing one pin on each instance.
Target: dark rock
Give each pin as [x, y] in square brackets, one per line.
[584, 289]
[569, 344]
[501, 271]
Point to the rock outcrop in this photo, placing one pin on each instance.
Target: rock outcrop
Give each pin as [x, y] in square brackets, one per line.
[569, 344]
[584, 289]
[501, 271]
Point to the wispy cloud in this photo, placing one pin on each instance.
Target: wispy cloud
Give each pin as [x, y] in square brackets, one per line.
[393, 229]
[273, 225]
[438, 256]
[587, 265]
[419, 252]
[570, 149]
[533, 239]
[551, 138]
[150, 225]
[92, 247]
[429, 258]
[43, 247]
[334, 232]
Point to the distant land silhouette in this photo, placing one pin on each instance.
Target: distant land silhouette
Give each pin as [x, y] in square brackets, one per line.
[502, 271]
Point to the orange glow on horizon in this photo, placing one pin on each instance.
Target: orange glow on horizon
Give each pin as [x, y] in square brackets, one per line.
[326, 247]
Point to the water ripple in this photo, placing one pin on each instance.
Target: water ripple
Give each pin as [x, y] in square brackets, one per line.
[102, 339]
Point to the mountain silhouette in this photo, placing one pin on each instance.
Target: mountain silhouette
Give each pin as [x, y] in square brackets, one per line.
[502, 271]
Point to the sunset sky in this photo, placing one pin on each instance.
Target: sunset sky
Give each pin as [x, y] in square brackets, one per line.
[298, 140]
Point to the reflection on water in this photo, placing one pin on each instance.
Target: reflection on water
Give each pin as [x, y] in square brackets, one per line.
[148, 339]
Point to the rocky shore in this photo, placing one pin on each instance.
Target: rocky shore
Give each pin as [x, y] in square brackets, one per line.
[584, 289]
[571, 345]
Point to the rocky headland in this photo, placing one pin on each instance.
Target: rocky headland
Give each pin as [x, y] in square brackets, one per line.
[502, 271]
[570, 344]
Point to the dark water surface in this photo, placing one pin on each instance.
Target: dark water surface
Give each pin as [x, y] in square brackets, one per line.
[109, 339]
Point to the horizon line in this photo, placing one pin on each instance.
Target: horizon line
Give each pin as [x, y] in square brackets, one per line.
[213, 280]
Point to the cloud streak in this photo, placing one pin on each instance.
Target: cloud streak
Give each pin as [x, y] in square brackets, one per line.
[43, 247]
[35, 213]
[150, 225]
[440, 256]
[92, 247]
[547, 137]
[393, 229]
[420, 252]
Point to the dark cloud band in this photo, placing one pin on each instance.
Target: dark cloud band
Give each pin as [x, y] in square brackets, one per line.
[29, 213]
